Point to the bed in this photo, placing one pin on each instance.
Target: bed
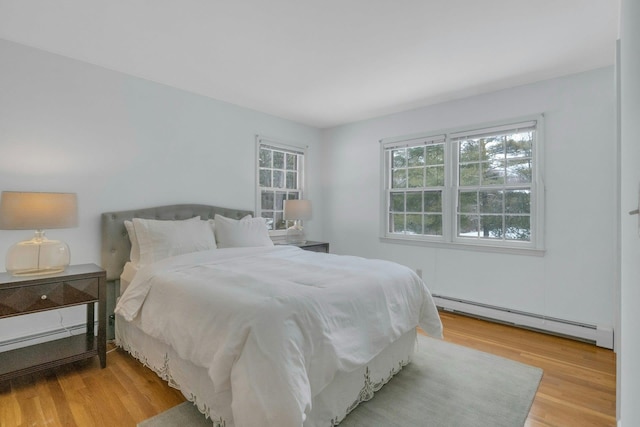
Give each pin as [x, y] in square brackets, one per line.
[254, 333]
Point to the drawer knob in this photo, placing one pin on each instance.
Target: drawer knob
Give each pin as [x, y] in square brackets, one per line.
[43, 297]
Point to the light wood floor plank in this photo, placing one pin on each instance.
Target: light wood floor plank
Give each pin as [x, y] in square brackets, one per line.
[579, 383]
[577, 389]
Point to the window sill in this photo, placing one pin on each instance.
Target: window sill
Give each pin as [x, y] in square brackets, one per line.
[465, 247]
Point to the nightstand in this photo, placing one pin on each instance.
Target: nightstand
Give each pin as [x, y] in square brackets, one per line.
[77, 285]
[312, 246]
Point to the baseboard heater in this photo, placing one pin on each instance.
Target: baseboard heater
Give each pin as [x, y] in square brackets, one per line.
[40, 337]
[600, 336]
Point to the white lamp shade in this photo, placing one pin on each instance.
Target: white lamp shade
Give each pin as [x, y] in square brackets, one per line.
[37, 211]
[297, 209]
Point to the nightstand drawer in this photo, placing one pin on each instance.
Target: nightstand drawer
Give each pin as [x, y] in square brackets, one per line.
[27, 299]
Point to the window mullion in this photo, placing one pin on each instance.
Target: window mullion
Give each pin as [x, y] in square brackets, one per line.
[451, 183]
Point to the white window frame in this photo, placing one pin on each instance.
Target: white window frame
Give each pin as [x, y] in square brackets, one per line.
[449, 238]
[301, 186]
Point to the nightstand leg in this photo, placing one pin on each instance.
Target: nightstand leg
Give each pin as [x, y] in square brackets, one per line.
[102, 323]
[90, 319]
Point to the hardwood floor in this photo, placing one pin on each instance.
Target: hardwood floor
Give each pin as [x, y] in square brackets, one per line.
[577, 389]
[83, 395]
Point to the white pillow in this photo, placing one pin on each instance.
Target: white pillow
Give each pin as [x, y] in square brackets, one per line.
[246, 232]
[134, 255]
[162, 239]
[212, 222]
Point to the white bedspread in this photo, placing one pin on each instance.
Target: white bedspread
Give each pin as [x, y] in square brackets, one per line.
[276, 324]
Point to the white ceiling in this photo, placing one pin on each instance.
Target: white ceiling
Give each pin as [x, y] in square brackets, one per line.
[325, 62]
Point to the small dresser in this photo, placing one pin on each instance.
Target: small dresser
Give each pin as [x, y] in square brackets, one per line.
[77, 285]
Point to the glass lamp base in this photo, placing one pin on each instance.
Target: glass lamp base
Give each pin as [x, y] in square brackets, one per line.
[295, 235]
[37, 256]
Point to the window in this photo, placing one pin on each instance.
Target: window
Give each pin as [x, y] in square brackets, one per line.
[280, 177]
[466, 187]
[417, 172]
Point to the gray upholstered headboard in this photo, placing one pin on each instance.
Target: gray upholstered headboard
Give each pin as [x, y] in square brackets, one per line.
[115, 240]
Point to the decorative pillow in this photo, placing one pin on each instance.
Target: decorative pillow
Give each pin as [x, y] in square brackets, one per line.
[212, 222]
[160, 239]
[246, 232]
[134, 255]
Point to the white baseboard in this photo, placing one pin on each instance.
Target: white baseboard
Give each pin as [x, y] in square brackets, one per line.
[599, 335]
[40, 337]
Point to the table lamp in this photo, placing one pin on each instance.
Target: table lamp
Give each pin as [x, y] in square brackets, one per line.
[296, 210]
[37, 211]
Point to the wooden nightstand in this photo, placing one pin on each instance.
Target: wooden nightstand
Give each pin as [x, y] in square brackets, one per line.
[77, 285]
[312, 246]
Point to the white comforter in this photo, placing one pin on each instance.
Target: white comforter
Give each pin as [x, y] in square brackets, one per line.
[275, 325]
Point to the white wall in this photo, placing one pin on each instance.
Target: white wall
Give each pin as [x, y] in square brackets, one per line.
[120, 143]
[629, 356]
[574, 280]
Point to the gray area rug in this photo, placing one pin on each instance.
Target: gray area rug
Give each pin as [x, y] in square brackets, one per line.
[446, 385]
